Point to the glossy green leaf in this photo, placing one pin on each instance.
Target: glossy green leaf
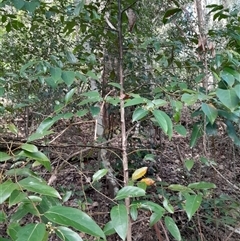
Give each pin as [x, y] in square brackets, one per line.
[228, 98]
[159, 102]
[192, 204]
[210, 111]
[37, 156]
[188, 163]
[45, 125]
[68, 234]
[68, 77]
[69, 95]
[29, 147]
[196, 133]
[161, 121]
[99, 174]
[172, 228]
[134, 211]
[134, 101]
[4, 157]
[202, 185]
[31, 232]
[6, 189]
[12, 230]
[35, 185]
[180, 129]
[75, 218]
[119, 219]
[138, 114]
[130, 191]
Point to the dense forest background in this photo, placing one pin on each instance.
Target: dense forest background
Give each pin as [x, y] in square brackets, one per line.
[120, 120]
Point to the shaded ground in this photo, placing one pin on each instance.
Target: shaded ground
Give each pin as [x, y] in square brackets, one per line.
[75, 160]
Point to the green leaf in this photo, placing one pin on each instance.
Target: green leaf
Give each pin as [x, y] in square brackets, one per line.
[99, 174]
[237, 90]
[227, 77]
[81, 113]
[74, 218]
[68, 234]
[13, 128]
[69, 95]
[180, 129]
[68, 77]
[152, 207]
[138, 114]
[37, 156]
[6, 189]
[109, 229]
[164, 121]
[12, 230]
[16, 197]
[34, 185]
[172, 228]
[168, 206]
[189, 99]
[31, 6]
[169, 13]
[117, 85]
[154, 218]
[18, 4]
[95, 110]
[119, 219]
[196, 133]
[31, 232]
[37, 136]
[4, 157]
[29, 147]
[134, 211]
[134, 101]
[159, 102]
[2, 217]
[130, 191]
[232, 133]
[71, 57]
[21, 172]
[188, 164]
[179, 188]
[202, 185]
[210, 111]
[45, 125]
[228, 98]
[56, 73]
[92, 75]
[192, 204]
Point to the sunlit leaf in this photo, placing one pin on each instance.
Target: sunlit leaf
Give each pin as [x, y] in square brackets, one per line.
[148, 181]
[210, 111]
[139, 173]
[228, 98]
[68, 234]
[4, 157]
[130, 191]
[202, 185]
[6, 189]
[138, 114]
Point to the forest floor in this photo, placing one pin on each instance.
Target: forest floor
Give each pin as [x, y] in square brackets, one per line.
[75, 159]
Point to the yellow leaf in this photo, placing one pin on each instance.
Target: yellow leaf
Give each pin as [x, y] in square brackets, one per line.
[139, 173]
[148, 181]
